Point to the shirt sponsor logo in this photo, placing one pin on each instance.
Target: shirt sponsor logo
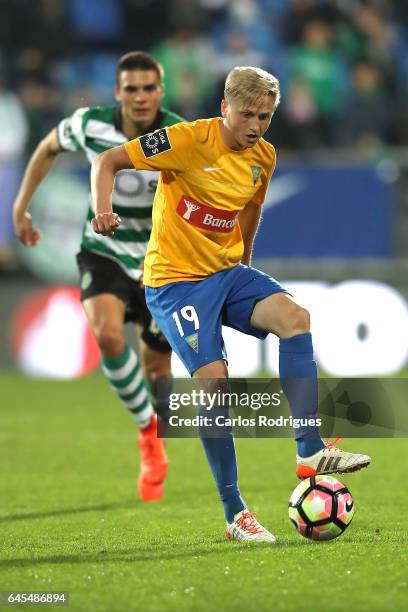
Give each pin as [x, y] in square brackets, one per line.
[206, 217]
[155, 143]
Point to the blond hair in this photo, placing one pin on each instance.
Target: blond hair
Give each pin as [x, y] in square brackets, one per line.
[249, 84]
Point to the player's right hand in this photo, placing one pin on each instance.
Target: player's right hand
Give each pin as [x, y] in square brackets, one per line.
[106, 223]
[25, 232]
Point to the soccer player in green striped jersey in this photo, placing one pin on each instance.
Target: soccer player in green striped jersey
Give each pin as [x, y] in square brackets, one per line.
[111, 267]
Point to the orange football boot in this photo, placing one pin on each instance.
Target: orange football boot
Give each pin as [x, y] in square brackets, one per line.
[153, 462]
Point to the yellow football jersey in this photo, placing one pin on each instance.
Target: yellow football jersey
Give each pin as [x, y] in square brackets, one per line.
[203, 186]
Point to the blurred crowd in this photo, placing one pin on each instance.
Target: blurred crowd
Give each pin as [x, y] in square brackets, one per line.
[343, 64]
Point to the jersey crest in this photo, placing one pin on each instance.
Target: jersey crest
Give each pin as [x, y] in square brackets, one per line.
[256, 171]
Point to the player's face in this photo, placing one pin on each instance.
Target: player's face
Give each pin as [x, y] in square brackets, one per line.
[244, 125]
[139, 93]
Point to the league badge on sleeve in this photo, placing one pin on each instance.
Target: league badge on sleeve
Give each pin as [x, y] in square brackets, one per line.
[155, 143]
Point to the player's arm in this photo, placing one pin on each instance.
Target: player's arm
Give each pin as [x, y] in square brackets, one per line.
[248, 220]
[164, 149]
[104, 169]
[38, 167]
[250, 216]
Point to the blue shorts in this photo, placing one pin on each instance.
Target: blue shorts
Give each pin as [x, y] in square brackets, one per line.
[190, 314]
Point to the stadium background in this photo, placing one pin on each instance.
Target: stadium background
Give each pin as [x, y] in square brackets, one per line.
[337, 209]
[334, 229]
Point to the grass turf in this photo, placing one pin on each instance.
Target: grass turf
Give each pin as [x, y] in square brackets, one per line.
[71, 520]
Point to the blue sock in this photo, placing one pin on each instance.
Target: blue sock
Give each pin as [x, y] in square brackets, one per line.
[298, 374]
[220, 451]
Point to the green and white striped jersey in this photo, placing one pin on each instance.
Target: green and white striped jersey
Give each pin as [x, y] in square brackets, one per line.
[94, 130]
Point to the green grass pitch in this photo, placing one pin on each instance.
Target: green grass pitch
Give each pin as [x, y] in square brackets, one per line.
[71, 520]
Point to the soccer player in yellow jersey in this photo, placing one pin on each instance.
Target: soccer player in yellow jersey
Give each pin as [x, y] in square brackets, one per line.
[198, 274]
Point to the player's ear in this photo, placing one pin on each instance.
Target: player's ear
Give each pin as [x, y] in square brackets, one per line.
[117, 94]
[224, 107]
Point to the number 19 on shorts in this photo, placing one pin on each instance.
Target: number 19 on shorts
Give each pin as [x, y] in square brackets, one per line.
[188, 313]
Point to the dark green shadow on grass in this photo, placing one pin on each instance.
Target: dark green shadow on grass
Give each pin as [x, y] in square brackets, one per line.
[135, 555]
[65, 511]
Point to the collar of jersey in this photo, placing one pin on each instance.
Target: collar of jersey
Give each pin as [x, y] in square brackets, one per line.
[157, 123]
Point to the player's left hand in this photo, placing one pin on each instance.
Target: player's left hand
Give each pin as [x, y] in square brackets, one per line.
[27, 234]
[106, 223]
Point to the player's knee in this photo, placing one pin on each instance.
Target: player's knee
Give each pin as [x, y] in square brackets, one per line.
[294, 320]
[299, 320]
[216, 370]
[158, 369]
[110, 340]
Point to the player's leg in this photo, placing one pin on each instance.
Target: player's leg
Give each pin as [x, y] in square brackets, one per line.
[218, 443]
[220, 451]
[257, 304]
[122, 368]
[281, 315]
[190, 314]
[105, 292]
[120, 363]
[155, 354]
[108, 294]
[157, 372]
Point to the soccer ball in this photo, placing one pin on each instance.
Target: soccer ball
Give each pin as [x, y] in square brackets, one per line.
[321, 508]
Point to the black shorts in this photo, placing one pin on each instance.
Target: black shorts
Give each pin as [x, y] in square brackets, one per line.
[99, 274]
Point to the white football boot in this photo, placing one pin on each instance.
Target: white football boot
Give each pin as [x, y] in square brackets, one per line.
[246, 527]
[330, 460]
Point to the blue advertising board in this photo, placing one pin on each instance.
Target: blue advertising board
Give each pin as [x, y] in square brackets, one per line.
[326, 211]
